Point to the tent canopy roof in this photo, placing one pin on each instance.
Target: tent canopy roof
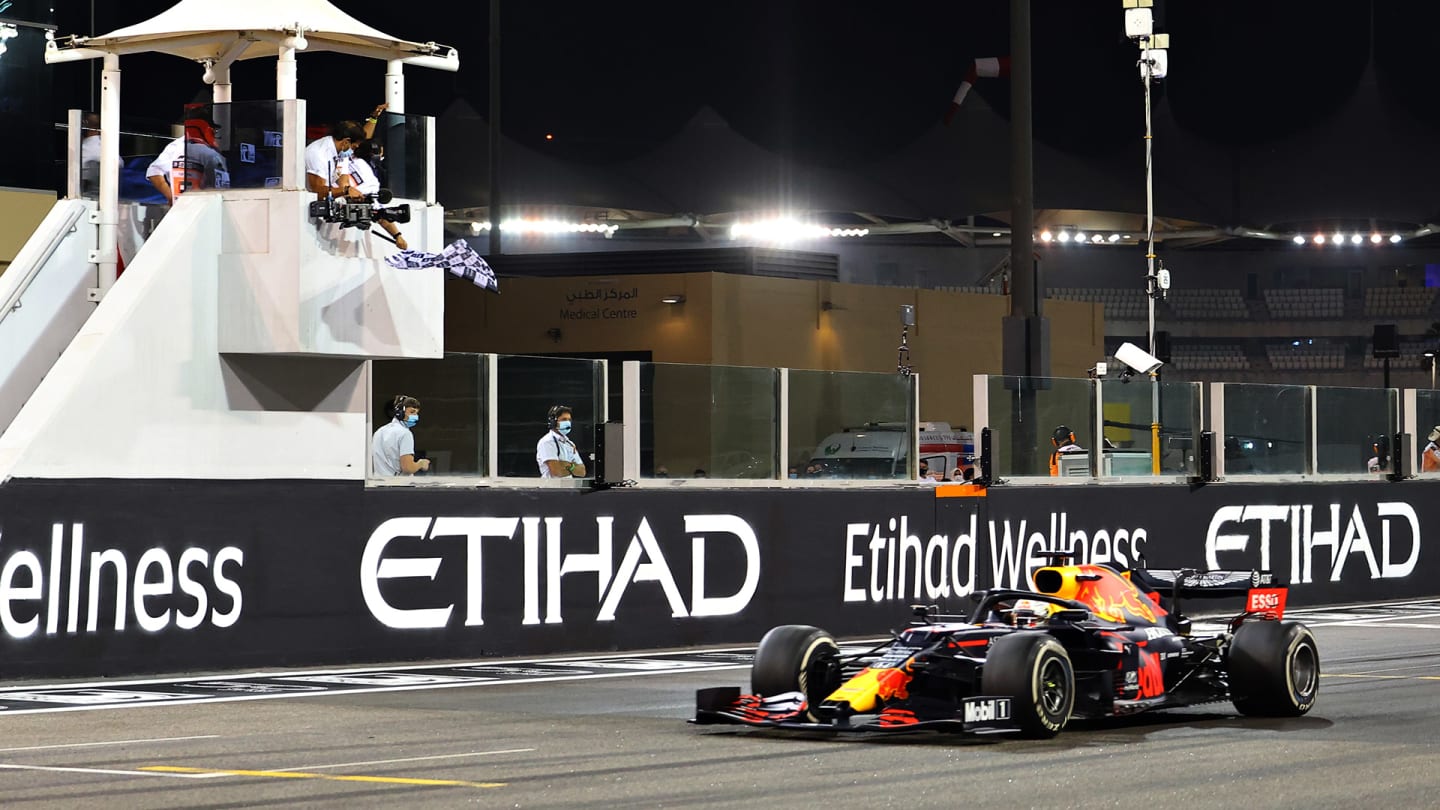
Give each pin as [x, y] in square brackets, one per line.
[206, 30]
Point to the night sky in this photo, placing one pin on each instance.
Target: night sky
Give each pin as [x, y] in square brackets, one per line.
[839, 80]
[1265, 91]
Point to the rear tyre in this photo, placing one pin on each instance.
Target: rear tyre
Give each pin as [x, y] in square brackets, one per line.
[1274, 669]
[796, 658]
[1034, 671]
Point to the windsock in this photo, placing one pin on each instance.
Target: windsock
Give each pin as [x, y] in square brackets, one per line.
[988, 67]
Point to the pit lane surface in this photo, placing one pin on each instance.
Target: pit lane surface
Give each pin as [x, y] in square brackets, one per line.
[621, 741]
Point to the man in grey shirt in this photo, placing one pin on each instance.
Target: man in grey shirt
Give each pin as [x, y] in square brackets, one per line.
[392, 449]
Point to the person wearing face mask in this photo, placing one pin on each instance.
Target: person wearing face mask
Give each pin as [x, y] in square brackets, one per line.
[392, 449]
[555, 453]
[327, 161]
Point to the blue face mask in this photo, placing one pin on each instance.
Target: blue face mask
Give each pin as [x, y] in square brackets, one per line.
[563, 427]
[412, 420]
[347, 153]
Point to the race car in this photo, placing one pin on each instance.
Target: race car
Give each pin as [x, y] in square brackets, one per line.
[1090, 641]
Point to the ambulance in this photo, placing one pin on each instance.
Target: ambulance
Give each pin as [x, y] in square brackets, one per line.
[879, 450]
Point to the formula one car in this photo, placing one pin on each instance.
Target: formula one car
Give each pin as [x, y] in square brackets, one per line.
[1090, 641]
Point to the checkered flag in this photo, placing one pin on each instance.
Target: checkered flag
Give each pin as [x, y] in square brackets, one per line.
[459, 259]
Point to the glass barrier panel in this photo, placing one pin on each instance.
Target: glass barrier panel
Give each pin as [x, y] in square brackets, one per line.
[1427, 431]
[528, 388]
[708, 421]
[1354, 429]
[249, 138]
[1267, 429]
[451, 390]
[399, 143]
[1042, 425]
[138, 150]
[140, 154]
[850, 424]
[1128, 408]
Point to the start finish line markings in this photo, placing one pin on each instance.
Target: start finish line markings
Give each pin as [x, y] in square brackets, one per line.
[263, 686]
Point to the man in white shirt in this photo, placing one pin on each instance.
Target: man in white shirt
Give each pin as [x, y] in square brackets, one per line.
[392, 449]
[90, 154]
[327, 161]
[555, 454]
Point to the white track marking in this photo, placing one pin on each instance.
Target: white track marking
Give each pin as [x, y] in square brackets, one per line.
[403, 759]
[107, 771]
[368, 691]
[108, 742]
[1381, 621]
[282, 673]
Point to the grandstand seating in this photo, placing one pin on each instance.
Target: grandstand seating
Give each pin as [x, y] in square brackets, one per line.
[1208, 304]
[1306, 303]
[1399, 302]
[1122, 304]
[1306, 357]
[973, 290]
[1412, 355]
[1193, 357]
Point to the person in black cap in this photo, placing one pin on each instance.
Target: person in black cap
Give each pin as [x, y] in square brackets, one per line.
[1063, 440]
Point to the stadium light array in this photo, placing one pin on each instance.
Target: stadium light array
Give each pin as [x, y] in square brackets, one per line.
[789, 230]
[546, 227]
[1082, 237]
[1340, 238]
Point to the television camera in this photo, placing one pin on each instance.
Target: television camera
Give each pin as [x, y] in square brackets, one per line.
[360, 212]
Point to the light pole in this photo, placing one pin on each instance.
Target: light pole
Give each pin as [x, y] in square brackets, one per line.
[1154, 64]
[1431, 357]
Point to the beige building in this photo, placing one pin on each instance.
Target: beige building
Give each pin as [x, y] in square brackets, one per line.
[738, 320]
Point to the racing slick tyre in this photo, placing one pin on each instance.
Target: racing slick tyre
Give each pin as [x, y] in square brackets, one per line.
[1274, 669]
[796, 658]
[1033, 670]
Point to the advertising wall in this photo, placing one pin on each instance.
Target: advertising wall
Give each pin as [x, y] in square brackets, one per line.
[111, 578]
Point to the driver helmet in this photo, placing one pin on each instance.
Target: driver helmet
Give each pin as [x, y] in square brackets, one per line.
[1030, 612]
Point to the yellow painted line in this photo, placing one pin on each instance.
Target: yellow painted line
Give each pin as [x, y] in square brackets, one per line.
[1384, 677]
[384, 780]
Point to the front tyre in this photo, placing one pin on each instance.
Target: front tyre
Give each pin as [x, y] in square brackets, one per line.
[1274, 669]
[1034, 671]
[796, 658]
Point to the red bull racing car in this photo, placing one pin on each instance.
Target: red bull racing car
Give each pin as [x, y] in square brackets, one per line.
[1090, 641]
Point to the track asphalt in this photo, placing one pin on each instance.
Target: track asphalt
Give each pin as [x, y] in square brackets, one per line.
[603, 732]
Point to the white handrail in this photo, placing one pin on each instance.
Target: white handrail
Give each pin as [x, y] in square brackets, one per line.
[13, 302]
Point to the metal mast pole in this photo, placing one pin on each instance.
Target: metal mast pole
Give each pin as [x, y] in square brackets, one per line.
[494, 128]
[1152, 288]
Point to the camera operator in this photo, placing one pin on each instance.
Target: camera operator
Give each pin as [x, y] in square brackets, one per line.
[362, 171]
[327, 161]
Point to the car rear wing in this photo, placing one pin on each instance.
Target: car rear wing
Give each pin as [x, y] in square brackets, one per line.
[1190, 583]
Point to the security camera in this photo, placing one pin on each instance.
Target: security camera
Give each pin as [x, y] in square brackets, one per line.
[1141, 361]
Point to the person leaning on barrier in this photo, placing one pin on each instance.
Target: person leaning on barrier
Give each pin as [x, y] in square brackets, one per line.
[327, 161]
[555, 454]
[1430, 456]
[392, 450]
[190, 161]
[1063, 439]
[1377, 463]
